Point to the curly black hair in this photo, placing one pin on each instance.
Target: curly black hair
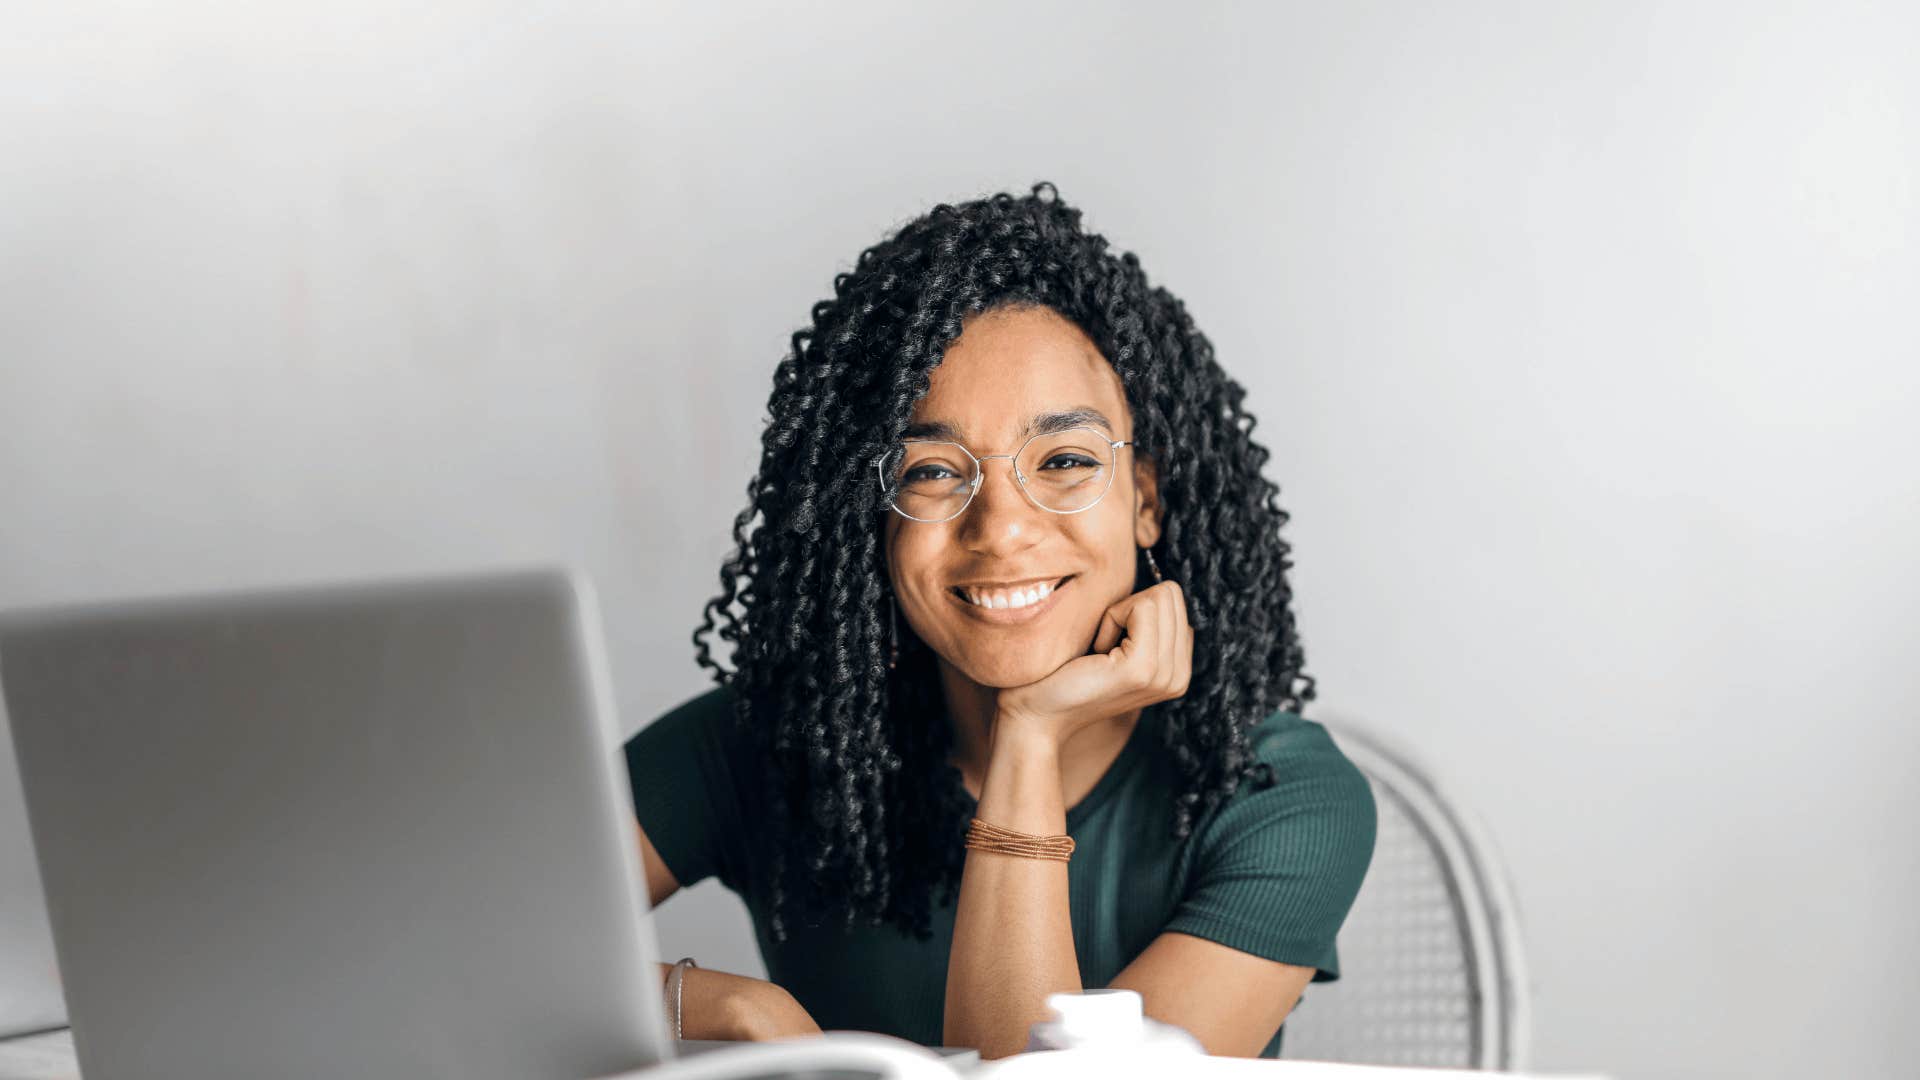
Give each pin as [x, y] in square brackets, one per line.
[854, 753]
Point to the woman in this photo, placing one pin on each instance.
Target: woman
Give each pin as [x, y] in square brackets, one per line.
[1017, 579]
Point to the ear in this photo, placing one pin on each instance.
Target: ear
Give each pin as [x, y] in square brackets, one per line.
[1148, 511]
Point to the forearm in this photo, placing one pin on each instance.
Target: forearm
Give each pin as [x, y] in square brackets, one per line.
[1012, 933]
[718, 1005]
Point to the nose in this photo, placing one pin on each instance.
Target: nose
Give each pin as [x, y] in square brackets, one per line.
[1000, 512]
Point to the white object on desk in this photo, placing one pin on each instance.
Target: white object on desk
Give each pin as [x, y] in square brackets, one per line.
[835, 1051]
[1144, 1062]
[1106, 1018]
[50, 1057]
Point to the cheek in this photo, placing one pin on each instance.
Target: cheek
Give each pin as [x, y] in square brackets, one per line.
[901, 562]
[914, 584]
[1099, 591]
[1113, 562]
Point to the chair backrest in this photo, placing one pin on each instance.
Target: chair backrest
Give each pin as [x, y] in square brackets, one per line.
[1432, 969]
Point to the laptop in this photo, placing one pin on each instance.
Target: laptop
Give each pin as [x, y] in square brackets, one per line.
[368, 830]
[29, 978]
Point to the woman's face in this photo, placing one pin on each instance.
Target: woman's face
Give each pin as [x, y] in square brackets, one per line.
[1007, 368]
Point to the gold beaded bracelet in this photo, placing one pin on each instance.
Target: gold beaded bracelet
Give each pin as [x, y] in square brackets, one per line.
[984, 837]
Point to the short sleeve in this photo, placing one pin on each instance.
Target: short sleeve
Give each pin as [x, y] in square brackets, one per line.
[1276, 870]
[686, 795]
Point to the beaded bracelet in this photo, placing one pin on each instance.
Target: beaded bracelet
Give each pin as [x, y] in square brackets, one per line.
[982, 836]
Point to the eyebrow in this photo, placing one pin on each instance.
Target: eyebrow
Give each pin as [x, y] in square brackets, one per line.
[1044, 424]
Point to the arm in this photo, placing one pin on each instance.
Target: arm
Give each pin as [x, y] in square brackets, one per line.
[1012, 937]
[679, 767]
[1231, 1001]
[715, 1004]
[1012, 932]
[1276, 874]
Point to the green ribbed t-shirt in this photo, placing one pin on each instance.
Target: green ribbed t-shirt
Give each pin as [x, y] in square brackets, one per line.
[1270, 872]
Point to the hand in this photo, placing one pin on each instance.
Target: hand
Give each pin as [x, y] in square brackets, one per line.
[1153, 663]
[717, 1005]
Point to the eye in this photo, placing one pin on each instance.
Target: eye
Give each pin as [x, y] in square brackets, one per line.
[1071, 461]
[925, 472]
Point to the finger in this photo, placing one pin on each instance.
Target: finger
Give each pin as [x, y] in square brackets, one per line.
[1170, 606]
[1185, 652]
[1163, 623]
[1108, 634]
[1140, 652]
[1112, 622]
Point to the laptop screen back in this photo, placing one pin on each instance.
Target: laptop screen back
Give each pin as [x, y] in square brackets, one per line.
[365, 831]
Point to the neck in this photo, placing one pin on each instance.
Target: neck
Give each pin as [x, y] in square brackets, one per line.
[1084, 756]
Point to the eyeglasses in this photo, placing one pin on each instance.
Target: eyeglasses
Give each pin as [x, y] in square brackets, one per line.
[1064, 472]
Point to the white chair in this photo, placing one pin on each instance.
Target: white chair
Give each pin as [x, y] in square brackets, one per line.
[1432, 969]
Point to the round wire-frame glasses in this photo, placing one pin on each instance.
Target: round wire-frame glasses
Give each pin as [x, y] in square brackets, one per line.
[1020, 478]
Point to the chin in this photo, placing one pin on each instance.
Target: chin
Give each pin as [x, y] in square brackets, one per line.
[1016, 668]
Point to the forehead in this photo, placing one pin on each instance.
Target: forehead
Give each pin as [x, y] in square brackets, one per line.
[1008, 367]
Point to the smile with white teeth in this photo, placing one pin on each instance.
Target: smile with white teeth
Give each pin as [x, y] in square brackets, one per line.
[1010, 598]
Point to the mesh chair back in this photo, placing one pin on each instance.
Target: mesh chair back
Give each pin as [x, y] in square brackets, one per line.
[1431, 965]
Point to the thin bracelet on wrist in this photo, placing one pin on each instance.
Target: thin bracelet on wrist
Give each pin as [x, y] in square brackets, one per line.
[674, 979]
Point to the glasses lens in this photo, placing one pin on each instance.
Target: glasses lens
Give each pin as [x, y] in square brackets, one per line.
[929, 481]
[1068, 470]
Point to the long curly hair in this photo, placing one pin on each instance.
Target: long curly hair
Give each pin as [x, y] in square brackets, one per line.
[867, 814]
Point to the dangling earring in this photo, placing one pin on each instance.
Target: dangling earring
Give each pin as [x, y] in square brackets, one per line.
[1153, 566]
[893, 637]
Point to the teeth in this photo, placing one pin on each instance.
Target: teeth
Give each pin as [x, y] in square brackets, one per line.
[1010, 598]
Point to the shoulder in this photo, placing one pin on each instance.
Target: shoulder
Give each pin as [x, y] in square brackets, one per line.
[708, 718]
[1301, 750]
[1277, 865]
[700, 741]
[1318, 802]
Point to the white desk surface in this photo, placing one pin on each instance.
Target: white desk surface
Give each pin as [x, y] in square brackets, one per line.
[49, 1056]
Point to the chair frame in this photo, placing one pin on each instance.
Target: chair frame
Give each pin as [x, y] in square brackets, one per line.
[1481, 892]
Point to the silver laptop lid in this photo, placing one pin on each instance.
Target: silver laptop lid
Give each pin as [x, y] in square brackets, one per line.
[375, 830]
[29, 980]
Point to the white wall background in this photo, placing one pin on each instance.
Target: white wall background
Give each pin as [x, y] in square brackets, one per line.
[1583, 336]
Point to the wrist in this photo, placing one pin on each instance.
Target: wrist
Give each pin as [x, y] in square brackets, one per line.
[1021, 789]
[1027, 737]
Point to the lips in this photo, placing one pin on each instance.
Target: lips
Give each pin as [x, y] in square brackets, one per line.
[1006, 616]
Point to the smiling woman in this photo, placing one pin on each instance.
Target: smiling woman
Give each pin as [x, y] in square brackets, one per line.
[1015, 703]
